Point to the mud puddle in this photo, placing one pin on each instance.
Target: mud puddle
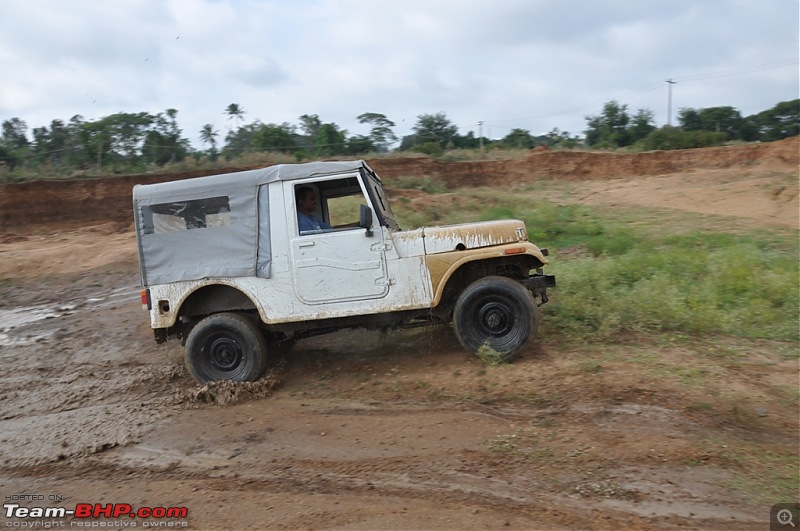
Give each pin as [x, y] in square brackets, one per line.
[15, 322]
[14, 319]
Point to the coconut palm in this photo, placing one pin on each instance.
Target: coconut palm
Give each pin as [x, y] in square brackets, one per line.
[209, 136]
[235, 112]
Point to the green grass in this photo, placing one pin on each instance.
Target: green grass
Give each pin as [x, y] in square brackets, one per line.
[736, 289]
[619, 274]
[490, 356]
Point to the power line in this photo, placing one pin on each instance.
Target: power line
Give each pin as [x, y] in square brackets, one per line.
[655, 86]
[740, 71]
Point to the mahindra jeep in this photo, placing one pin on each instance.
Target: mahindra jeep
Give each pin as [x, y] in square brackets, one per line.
[226, 268]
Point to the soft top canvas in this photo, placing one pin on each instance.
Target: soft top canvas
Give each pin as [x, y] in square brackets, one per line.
[213, 226]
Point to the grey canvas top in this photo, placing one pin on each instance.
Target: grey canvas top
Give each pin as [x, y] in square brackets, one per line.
[213, 226]
[201, 186]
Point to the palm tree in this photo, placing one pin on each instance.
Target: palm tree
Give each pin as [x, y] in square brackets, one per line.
[235, 112]
[209, 136]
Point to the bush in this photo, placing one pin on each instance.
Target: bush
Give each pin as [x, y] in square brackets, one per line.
[429, 148]
[676, 138]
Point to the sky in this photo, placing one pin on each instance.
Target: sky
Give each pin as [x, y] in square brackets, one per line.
[529, 64]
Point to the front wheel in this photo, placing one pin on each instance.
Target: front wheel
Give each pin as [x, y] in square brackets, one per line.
[226, 346]
[497, 312]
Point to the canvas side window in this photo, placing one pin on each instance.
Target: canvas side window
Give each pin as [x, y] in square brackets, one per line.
[186, 215]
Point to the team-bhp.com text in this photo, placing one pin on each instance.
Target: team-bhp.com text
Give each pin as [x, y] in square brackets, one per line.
[89, 515]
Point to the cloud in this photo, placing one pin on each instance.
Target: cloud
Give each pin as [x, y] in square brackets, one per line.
[534, 64]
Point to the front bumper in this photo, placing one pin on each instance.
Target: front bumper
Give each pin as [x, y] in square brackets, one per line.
[538, 284]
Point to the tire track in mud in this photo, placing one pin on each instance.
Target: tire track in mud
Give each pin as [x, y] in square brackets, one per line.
[83, 374]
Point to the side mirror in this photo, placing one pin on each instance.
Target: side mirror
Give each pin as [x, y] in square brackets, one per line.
[365, 219]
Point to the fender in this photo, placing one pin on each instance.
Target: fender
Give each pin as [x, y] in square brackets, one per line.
[169, 300]
[442, 266]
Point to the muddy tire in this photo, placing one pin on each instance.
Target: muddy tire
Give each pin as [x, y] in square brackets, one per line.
[497, 312]
[226, 346]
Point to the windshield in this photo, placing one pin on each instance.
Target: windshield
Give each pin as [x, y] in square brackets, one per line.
[375, 189]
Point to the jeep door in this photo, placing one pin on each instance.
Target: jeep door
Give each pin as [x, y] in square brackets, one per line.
[342, 263]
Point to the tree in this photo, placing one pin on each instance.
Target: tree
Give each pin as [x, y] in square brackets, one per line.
[242, 139]
[236, 113]
[41, 144]
[468, 141]
[726, 120]
[209, 137]
[434, 128]
[669, 137]
[781, 121]
[116, 139]
[519, 138]
[273, 137]
[163, 144]
[49, 146]
[359, 145]
[641, 125]
[558, 138]
[14, 134]
[7, 158]
[609, 129]
[310, 124]
[330, 140]
[689, 119]
[381, 133]
[126, 132]
[76, 156]
[59, 142]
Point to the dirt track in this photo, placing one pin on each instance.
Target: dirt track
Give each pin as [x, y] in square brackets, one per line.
[362, 431]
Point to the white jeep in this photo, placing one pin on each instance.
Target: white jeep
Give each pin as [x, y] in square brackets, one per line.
[225, 267]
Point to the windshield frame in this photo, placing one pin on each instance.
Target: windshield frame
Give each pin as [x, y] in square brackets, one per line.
[377, 196]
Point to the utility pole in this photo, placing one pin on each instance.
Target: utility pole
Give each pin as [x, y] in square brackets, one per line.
[669, 101]
[480, 133]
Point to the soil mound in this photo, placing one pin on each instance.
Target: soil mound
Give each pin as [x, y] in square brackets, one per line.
[783, 155]
[25, 207]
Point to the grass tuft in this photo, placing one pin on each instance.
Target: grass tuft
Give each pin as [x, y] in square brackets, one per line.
[490, 356]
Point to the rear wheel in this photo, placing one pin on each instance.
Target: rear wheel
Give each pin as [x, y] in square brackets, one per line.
[497, 312]
[226, 346]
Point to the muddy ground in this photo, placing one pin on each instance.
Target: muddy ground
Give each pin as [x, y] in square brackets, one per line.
[361, 430]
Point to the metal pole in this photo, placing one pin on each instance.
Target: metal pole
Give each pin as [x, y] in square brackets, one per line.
[669, 101]
[480, 133]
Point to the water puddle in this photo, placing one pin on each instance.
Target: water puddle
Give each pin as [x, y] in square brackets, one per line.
[13, 320]
[16, 318]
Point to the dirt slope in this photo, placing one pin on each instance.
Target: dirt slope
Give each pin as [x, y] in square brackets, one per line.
[71, 203]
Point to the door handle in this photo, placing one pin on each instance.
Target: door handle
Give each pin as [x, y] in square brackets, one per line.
[306, 244]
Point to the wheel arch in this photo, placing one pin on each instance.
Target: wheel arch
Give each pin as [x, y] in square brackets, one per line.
[462, 272]
[207, 299]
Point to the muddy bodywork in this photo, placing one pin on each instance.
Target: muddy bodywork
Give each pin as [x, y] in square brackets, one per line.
[473, 235]
[232, 243]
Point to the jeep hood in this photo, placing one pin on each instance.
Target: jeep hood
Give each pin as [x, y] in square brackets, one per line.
[473, 235]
